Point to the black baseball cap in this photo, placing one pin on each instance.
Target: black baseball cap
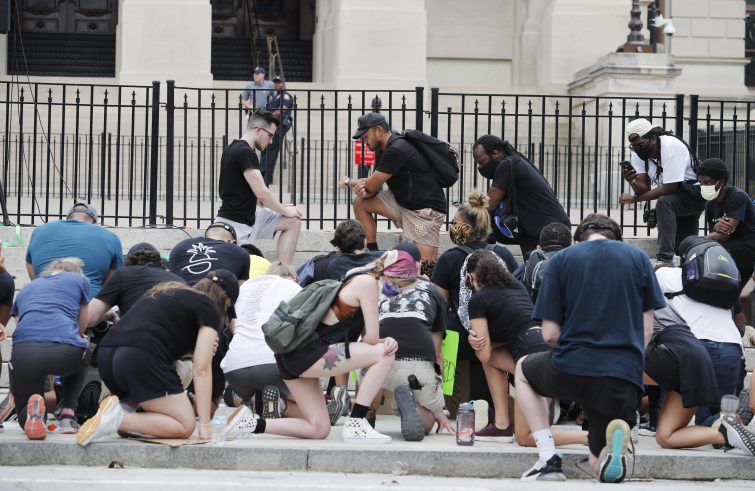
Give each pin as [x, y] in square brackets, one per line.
[259, 69]
[279, 78]
[715, 168]
[224, 226]
[227, 281]
[368, 121]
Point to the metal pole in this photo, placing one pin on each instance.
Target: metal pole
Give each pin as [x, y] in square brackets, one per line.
[154, 153]
[679, 116]
[420, 91]
[434, 111]
[169, 157]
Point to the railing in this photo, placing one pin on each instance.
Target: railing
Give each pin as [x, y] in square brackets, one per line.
[149, 158]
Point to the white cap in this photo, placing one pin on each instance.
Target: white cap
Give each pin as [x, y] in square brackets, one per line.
[639, 127]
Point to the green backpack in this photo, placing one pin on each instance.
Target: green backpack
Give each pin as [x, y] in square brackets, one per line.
[294, 323]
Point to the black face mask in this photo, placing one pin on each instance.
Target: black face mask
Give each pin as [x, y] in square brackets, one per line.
[488, 170]
[644, 151]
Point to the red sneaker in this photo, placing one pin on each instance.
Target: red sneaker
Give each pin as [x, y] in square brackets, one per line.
[491, 433]
[35, 418]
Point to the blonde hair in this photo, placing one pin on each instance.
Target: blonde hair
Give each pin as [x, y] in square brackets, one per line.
[475, 211]
[68, 264]
[277, 268]
[166, 287]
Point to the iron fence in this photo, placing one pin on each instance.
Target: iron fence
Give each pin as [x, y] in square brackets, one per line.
[150, 155]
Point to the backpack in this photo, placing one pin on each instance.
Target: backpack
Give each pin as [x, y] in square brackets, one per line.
[710, 276]
[441, 156]
[461, 304]
[294, 323]
[314, 269]
[534, 271]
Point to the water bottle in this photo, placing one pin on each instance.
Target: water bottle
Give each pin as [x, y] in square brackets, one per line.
[219, 420]
[729, 405]
[465, 424]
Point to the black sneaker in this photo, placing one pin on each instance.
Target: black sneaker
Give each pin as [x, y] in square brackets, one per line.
[736, 435]
[412, 428]
[553, 470]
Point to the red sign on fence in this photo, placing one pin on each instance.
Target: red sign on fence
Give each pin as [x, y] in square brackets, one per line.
[362, 154]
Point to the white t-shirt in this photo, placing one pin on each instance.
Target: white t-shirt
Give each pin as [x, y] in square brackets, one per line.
[705, 321]
[258, 299]
[675, 160]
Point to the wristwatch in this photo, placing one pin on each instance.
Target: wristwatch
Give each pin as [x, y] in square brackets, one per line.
[636, 198]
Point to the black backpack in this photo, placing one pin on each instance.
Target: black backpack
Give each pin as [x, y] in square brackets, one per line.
[710, 276]
[441, 156]
[534, 271]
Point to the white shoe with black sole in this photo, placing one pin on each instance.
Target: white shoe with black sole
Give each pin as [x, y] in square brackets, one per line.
[737, 435]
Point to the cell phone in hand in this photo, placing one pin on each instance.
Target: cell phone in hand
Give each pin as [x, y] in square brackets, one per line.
[626, 166]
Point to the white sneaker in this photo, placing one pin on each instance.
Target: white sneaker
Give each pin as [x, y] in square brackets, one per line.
[241, 423]
[105, 423]
[358, 430]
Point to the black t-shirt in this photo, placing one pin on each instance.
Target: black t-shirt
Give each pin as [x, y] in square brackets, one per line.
[508, 311]
[737, 204]
[341, 264]
[537, 205]
[166, 325]
[192, 259]
[411, 317]
[128, 284]
[239, 202]
[412, 180]
[7, 288]
[447, 275]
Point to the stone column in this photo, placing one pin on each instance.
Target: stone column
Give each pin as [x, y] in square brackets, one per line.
[362, 43]
[162, 40]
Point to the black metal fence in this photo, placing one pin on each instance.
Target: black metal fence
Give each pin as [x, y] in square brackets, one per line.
[150, 155]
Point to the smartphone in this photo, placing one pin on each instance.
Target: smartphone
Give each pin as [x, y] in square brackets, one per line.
[626, 166]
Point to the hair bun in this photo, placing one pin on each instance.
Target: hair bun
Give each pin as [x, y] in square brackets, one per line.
[477, 199]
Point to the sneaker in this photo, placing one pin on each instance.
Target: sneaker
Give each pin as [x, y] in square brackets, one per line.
[554, 411]
[552, 470]
[339, 400]
[481, 416]
[491, 433]
[743, 411]
[241, 424]
[35, 418]
[358, 430]
[736, 435]
[68, 425]
[613, 468]
[105, 423]
[412, 428]
[271, 396]
[646, 429]
[7, 408]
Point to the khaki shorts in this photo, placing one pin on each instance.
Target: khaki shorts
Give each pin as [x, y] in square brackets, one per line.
[420, 226]
[265, 225]
[431, 394]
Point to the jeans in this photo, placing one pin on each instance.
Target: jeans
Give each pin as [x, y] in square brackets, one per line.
[678, 216]
[269, 156]
[727, 364]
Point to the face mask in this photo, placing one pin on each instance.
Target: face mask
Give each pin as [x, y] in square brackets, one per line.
[488, 170]
[390, 289]
[456, 232]
[643, 152]
[709, 192]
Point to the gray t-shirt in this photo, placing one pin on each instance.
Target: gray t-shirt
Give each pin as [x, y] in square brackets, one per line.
[261, 92]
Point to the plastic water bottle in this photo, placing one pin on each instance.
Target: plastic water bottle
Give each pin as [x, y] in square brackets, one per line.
[729, 405]
[219, 420]
[465, 424]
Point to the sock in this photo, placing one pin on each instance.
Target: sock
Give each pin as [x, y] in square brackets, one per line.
[546, 447]
[359, 411]
[372, 246]
[261, 424]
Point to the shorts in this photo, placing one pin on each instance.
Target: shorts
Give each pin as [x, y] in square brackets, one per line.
[137, 375]
[265, 225]
[430, 396]
[530, 342]
[248, 380]
[420, 226]
[602, 398]
[661, 365]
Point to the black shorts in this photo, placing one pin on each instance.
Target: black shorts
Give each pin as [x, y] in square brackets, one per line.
[248, 380]
[602, 398]
[136, 375]
[661, 365]
[530, 342]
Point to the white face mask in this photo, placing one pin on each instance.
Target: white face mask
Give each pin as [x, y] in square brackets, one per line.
[709, 192]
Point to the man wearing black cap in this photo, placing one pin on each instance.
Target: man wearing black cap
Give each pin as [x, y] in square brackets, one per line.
[279, 103]
[255, 93]
[76, 236]
[414, 200]
[658, 157]
[729, 215]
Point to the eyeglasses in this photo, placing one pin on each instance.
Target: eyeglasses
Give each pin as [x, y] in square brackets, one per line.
[263, 129]
[644, 144]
